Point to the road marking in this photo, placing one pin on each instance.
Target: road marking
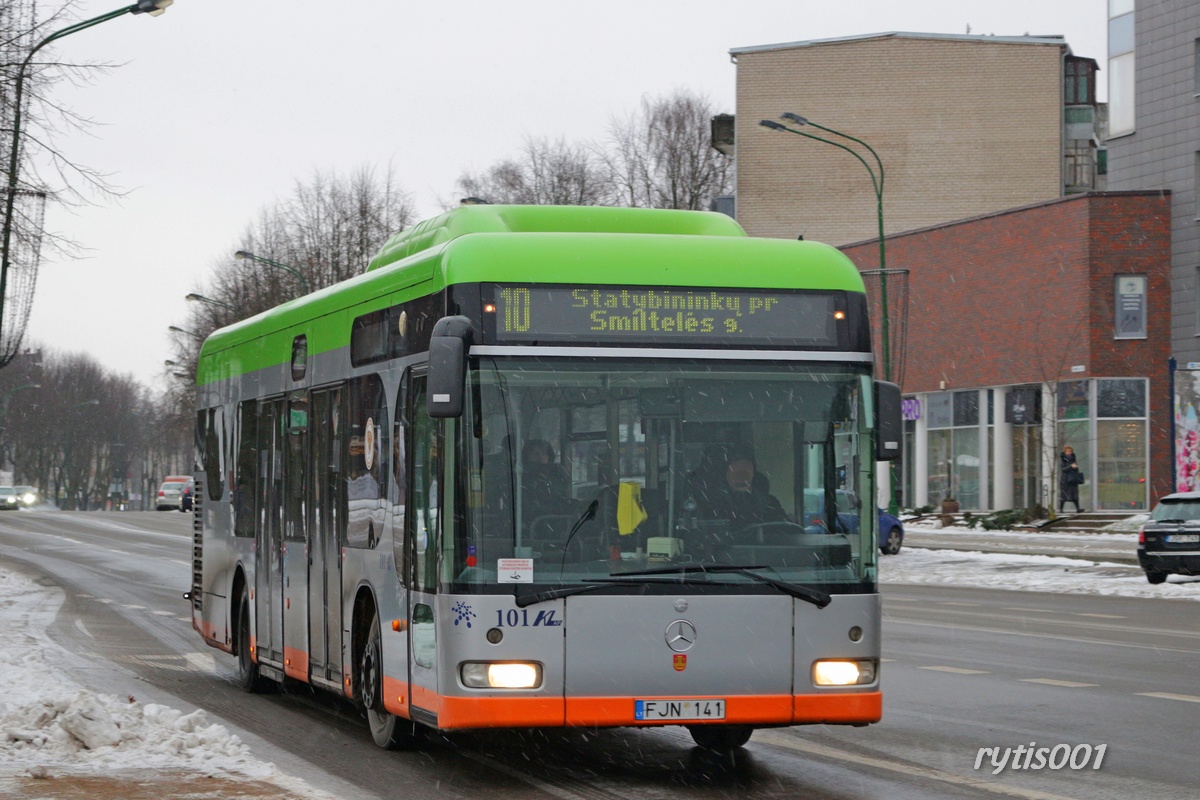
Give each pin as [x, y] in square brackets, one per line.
[775, 739]
[1053, 682]
[104, 600]
[163, 613]
[891, 599]
[189, 662]
[1055, 636]
[1033, 610]
[957, 670]
[967, 605]
[1101, 616]
[135, 608]
[1187, 698]
[886, 660]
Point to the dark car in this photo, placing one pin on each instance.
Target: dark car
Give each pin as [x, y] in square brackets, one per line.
[9, 500]
[891, 529]
[1169, 542]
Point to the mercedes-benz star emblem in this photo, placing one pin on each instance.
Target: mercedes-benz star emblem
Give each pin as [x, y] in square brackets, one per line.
[681, 635]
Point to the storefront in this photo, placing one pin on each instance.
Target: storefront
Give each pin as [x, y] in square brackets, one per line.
[998, 448]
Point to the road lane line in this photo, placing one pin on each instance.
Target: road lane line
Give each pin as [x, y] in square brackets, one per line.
[1187, 698]
[1100, 616]
[1055, 636]
[957, 670]
[1033, 610]
[775, 739]
[967, 605]
[1053, 682]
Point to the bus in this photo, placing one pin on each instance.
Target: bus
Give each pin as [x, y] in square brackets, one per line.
[548, 467]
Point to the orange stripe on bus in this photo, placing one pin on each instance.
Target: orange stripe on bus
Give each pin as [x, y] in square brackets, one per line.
[458, 713]
[295, 663]
[500, 712]
[842, 707]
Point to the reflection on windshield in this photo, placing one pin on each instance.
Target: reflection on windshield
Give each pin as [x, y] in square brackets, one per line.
[578, 469]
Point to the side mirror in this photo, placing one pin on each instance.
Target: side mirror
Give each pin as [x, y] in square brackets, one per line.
[889, 427]
[448, 346]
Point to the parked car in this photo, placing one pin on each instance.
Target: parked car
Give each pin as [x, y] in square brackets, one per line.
[170, 494]
[891, 529]
[9, 501]
[28, 496]
[1169, 542]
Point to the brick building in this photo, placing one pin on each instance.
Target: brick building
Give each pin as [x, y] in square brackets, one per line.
[1031, 328]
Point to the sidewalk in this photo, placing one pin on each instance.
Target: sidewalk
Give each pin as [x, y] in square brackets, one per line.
[1116, 543]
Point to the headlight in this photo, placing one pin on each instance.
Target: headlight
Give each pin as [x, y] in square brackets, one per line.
[28, 498]
[510, 675]
[843, 672]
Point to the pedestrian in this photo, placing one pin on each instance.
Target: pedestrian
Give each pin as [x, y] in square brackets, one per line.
[1070, 478]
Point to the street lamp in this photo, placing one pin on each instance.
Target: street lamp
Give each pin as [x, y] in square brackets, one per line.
[246, 254]
[193, 334]
[199, 298]
[151, 7]
[876, 174]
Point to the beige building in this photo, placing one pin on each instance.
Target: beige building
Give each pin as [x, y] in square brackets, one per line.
[964, 125]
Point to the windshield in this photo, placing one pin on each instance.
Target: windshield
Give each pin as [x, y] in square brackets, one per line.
[585, 469]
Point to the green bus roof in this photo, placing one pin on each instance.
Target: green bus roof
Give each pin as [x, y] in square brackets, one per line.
[574, 245]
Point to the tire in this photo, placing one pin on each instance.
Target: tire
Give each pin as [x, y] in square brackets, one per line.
[1156, 577]
[891, 545]
[720, 738]
[387, 730]
[247, 674]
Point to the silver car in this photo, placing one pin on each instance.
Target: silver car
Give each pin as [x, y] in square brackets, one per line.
[170, 494]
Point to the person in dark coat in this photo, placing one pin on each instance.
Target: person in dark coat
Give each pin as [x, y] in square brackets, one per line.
[1070, 476]
[744, 500]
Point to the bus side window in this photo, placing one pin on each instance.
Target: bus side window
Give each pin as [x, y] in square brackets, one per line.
[424, 496]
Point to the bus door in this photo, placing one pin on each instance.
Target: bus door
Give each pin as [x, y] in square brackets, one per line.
[324, 564]
[295, 537]
[421, 537]
[268, 576]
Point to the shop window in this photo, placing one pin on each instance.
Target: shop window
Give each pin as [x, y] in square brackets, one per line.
[1121, 398]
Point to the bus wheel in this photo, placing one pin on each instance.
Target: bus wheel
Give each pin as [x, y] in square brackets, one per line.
[720, 738]
[247, 674]
[389, 731]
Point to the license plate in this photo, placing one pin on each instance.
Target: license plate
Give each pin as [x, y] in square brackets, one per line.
[1183, 538]
[678, 709]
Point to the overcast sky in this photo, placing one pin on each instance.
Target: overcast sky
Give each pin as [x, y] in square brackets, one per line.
[220, 106]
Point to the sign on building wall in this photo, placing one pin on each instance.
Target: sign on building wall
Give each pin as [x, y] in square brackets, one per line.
[1131, 307]
[1187, 430]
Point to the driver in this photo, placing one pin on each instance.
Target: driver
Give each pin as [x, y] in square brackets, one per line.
[745, 499]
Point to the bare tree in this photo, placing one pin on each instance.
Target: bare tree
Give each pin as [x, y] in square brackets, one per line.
[546, 173]
[327, 230]
[661, 156]
[30, 122]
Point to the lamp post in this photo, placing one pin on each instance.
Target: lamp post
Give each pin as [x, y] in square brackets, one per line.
[876, 173]
[246, 254]
[185, 332]
[199, 298]
[151, 7]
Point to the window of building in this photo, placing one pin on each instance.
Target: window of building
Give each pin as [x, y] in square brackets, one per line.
[1079, 87]
[1121, 80]
[954, 457]
[1196, 66]
[1129, 306]
[1121, 444]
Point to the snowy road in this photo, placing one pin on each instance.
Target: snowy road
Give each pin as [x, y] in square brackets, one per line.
[967, 668]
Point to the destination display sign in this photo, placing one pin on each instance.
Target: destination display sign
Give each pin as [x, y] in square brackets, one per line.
[663, 315]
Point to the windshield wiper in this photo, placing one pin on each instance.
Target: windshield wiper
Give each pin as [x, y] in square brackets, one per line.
[817, 598]
[523, 600]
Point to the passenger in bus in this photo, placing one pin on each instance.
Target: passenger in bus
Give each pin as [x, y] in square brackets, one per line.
[544, 483]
